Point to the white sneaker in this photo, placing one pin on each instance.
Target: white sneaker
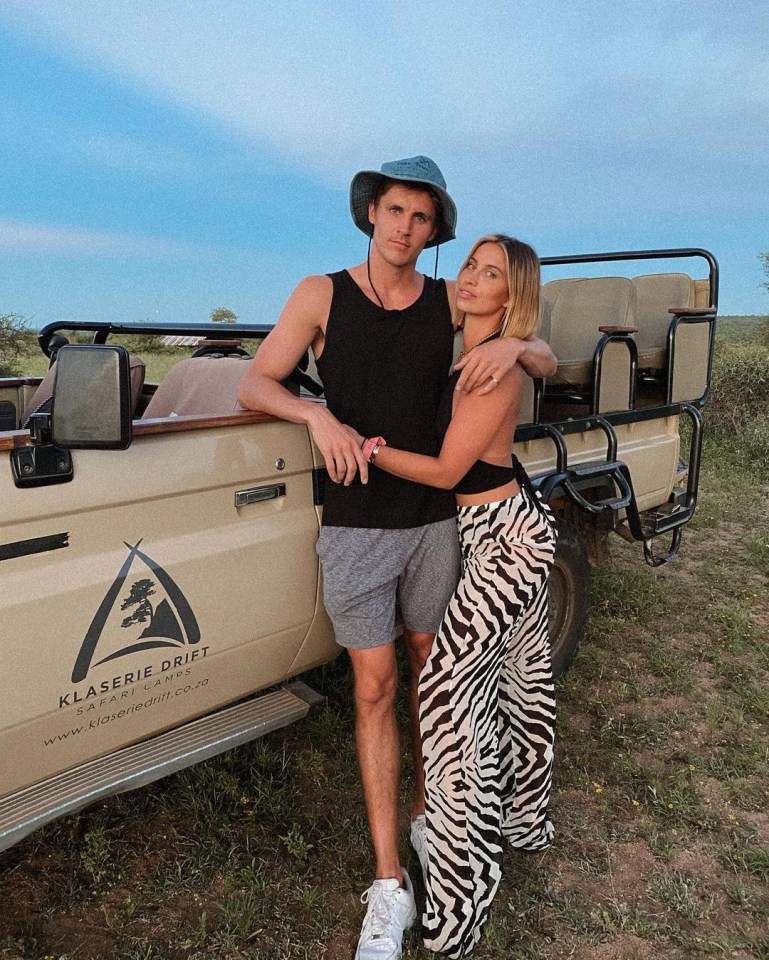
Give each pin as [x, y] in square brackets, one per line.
[391, 910]
[419, 842]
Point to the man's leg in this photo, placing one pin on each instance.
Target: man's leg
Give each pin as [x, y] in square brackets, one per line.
[417, 648]
[425, 589]
[379, 751]
[361, 568]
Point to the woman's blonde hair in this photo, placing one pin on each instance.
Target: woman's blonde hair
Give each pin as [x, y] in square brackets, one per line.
[521, 318]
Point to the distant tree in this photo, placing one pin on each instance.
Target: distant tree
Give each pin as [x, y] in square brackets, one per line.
[142, 343]
[16, 338]
[764, 329]
[223, 315]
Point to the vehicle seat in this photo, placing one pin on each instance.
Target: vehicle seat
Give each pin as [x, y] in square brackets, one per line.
[199, 386]
[675, 364]
[42, 399]
[658, 293]
[533, 390]
[546, 310]
[578, 308]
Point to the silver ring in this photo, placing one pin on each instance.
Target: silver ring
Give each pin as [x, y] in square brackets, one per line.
[495, 380]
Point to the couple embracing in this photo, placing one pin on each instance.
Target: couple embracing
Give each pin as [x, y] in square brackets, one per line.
[415, 455]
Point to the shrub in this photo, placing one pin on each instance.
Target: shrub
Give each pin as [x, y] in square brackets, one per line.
[740, 385]
[143, 343]
[16, 338]
[763, 332]
[739, 409]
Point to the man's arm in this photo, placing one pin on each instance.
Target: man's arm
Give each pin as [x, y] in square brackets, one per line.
[298, 326]
[483, 367]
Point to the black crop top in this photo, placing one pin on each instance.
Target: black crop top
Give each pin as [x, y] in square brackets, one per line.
[482, 476]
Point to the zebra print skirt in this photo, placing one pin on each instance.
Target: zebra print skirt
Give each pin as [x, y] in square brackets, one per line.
[487, 716]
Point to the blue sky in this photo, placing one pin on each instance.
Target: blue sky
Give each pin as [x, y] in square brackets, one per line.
[164, 158]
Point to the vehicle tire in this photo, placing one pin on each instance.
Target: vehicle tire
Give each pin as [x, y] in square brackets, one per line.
[568, 596]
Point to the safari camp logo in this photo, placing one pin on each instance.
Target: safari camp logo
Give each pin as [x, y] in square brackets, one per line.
[144, 609]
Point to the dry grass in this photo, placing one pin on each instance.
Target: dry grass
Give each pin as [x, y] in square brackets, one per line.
[660, 802]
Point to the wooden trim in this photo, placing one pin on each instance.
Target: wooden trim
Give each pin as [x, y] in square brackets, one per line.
[14, 382]
[14, 439]
[694, 311]
[147, 428]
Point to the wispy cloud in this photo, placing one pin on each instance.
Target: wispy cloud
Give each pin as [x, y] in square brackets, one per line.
[50, 239]
[294, 77]
[326, 86]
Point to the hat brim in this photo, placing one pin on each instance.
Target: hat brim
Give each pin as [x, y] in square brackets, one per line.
[363, 188]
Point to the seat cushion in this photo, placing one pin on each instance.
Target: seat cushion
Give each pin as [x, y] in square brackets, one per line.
[199, 386]
[579, 308]
[658, 293]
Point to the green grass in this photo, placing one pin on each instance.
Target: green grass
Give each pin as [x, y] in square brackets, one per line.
[758, 550]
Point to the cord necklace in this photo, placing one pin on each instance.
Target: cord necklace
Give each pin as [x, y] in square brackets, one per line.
[485, 340]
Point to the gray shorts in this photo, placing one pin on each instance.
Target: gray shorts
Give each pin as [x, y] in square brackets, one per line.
[366, 572]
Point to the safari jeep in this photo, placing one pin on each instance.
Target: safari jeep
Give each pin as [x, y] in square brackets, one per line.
[157, 542]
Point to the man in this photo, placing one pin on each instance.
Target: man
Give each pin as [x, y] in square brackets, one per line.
[382, 336]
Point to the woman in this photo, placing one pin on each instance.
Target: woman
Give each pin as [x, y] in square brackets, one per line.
[486, 703]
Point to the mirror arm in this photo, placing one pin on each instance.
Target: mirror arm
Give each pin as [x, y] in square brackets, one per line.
[41, 463]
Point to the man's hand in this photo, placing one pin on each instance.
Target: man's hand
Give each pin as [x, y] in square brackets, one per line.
[340, 446]
[483, 367]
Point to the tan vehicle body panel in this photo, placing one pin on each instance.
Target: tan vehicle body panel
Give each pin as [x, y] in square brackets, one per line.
[250, 576]
[650, 448]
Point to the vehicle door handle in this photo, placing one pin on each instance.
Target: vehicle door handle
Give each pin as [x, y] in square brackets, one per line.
[257, 494]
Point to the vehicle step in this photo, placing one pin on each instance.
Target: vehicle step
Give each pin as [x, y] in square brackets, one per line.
[136, 766]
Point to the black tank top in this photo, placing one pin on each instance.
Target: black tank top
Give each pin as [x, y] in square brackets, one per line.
[384, 372]
[482, 476]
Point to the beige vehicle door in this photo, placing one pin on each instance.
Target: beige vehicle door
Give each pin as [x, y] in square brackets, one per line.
[161, 582]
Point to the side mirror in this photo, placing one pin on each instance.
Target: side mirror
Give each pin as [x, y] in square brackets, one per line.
[92, 398]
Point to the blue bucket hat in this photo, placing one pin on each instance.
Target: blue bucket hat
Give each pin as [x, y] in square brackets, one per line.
[421, 171]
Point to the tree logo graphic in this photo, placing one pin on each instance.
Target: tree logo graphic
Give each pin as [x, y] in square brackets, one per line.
[140, 593]
[154, 602]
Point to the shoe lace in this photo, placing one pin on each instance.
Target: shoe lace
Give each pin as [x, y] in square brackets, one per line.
[379, 915]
